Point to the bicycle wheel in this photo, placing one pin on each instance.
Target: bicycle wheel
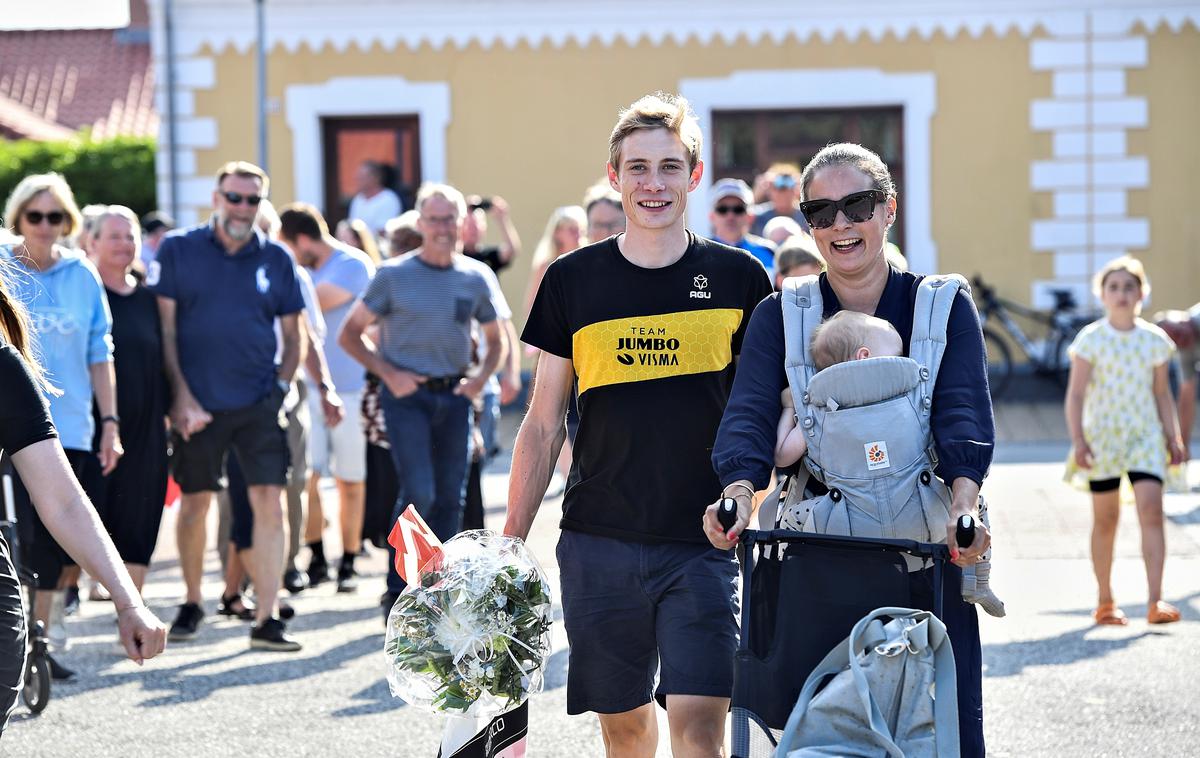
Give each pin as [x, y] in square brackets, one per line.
[1061, 368]
[999, 363]
[36, 690]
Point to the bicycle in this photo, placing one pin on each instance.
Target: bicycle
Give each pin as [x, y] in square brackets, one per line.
[35, 689]
[1049, 358]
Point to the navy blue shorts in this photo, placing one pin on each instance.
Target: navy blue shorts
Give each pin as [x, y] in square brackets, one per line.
[632, 610]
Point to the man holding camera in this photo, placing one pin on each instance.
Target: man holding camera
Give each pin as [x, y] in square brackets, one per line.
[474, 229]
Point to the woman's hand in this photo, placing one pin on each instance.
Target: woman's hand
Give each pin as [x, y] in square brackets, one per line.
[964, 501]
[111, 449]
[721, 538]
[1083, 455]
[142, 635]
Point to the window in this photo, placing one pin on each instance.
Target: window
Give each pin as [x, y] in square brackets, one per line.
[348, 141]
[746, 142]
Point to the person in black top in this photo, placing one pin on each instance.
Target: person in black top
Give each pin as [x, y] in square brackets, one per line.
[130, 501]
[28, 438]
[850, 204]
[648, 325]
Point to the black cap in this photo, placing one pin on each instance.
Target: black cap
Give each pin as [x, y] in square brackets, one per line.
[156, 220]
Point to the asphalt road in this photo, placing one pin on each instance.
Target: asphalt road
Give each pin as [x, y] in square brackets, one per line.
[1055, 685]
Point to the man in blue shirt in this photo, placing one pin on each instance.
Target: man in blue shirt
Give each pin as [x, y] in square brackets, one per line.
[731, 217]
[220, 287]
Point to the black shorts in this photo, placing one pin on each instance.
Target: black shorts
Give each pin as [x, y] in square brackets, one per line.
[258, 437]
[632, 609]
[40, 552]
[1108, 485]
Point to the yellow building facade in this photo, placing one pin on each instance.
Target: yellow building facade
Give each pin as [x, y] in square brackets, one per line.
[1037, 141]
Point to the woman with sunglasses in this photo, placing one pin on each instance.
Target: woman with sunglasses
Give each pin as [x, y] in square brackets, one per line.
[71, 328]
[850, 203]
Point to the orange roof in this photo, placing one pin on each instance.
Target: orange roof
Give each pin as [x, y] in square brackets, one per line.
[71, 79]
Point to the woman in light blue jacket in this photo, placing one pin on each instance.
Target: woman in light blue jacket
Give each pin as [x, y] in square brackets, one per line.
[71, 328]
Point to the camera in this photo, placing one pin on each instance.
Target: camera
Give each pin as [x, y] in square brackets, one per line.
[482, 203]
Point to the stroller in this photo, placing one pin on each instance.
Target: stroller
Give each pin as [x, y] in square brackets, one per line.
[36, 690]
[801, 595]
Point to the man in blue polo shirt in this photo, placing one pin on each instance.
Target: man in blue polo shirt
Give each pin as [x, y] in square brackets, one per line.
[220, 287]
[731, 217]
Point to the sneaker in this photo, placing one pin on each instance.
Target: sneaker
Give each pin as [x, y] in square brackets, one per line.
[59, 672]
[386, 601]
[186, 621]
[270, 636]
[347, 579]
[318, 573]
[294, 581]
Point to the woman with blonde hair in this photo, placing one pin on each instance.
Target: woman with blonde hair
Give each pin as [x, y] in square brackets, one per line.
[28, 438]
[565, 231]
[72, 326]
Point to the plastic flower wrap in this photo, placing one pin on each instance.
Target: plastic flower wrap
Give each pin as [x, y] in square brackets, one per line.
[471, 638]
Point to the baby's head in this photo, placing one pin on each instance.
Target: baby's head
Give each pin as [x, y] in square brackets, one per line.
[852, 336]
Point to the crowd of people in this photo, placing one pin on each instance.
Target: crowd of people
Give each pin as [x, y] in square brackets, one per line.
[259, 354]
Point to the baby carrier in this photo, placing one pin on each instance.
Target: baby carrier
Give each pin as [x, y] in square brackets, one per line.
[867, 424]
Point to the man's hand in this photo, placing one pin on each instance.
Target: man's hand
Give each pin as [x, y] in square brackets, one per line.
[110, 447]
[401, 383]
[717, 535]
[510, 386]
[470, 388]
[331, 404]
[141, 633]
[188, 417]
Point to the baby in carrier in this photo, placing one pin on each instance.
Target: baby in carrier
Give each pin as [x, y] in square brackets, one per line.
[852, 336]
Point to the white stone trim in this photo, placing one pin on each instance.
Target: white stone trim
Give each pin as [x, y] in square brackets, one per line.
[439, 23]
[306, 104]
[916, 93]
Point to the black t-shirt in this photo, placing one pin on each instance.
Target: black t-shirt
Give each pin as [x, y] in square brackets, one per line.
[142, 393]
[24, 416]
[653, 352]
[489, 255]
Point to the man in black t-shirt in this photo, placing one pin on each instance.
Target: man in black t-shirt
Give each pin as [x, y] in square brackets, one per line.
[649, 324]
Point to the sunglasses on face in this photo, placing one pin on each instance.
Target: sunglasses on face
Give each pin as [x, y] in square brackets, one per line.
[725, 210]
[237, 198]
[858, 207]
[786, 181]
[36, 217]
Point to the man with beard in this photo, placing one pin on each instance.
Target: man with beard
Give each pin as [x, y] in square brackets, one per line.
[220, 287]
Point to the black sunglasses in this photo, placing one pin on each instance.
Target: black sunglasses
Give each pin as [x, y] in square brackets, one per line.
[858, 207]
[725, 210]
[36, 217]
[236, 198]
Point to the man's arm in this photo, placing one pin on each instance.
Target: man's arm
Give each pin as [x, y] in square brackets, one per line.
[317, 369]
[353, 340]
[187, 415]
[330, 296]
[538, 442]
[104, 388]
[293, 347]
[495, 351]
[510, 241]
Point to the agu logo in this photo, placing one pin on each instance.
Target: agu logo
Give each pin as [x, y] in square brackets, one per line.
[877, 455]
[700, 282]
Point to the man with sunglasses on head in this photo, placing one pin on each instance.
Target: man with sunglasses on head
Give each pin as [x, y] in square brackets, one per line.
[221, 286]
[731, 216]
[784, 193]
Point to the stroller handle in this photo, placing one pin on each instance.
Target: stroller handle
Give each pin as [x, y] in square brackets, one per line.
[912, 547]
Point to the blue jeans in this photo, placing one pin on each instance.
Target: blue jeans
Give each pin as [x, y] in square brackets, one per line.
[430, 437]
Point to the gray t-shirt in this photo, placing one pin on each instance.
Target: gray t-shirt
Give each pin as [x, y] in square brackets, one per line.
[425, 313]
[351, 270]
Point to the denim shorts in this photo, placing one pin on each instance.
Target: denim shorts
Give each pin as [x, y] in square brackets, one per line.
[633, 609]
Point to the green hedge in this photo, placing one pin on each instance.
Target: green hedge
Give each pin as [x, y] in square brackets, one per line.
[112, 171]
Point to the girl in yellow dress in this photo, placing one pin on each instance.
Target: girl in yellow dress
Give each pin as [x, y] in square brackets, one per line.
[1122, 423]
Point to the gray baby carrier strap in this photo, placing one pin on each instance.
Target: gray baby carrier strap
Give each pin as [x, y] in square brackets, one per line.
[867, 424]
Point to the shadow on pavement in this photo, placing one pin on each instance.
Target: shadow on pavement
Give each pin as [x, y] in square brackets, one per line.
[1011, 659]
[378, 699]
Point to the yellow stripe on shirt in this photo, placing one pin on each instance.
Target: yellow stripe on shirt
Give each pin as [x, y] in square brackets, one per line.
[641, 348]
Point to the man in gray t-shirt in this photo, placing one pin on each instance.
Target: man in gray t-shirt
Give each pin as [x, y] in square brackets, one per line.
[425, 303]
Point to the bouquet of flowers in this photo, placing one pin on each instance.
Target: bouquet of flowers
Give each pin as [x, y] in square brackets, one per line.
[471, 636]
